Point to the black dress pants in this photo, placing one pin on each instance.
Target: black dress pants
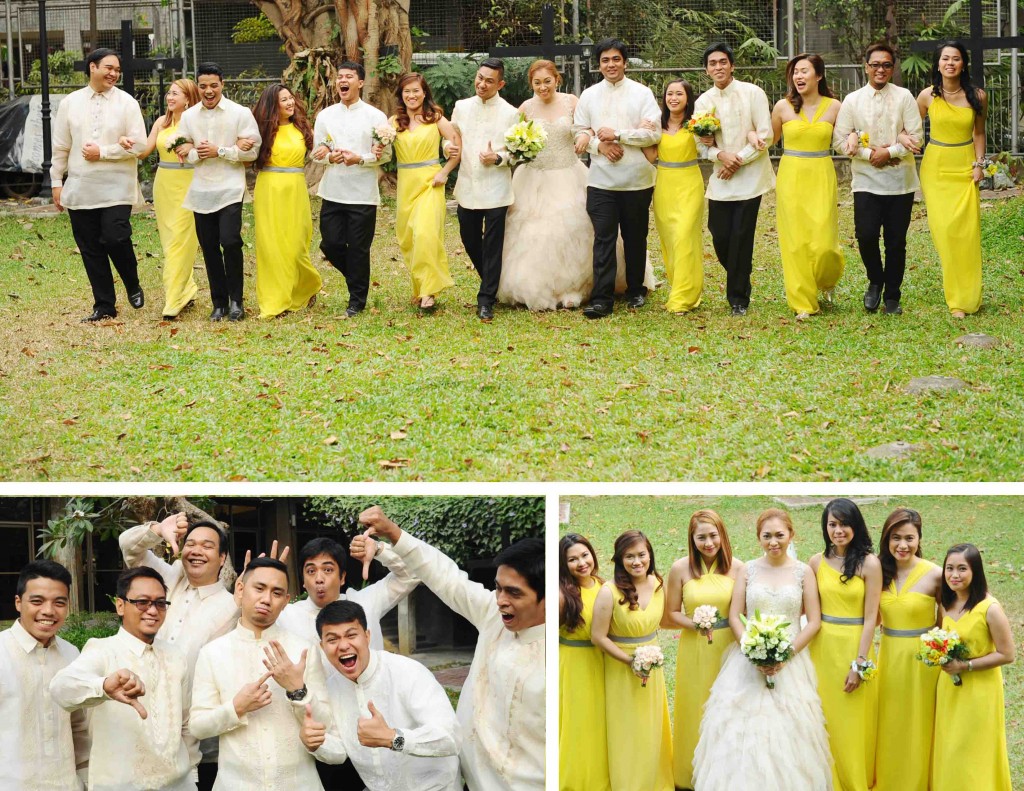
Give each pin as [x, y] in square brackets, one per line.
[220, 236]
[339, 777]
[104, 237]
[612, 212]
[483, 236]
[733, 225]
[889, 216]
[346, 233]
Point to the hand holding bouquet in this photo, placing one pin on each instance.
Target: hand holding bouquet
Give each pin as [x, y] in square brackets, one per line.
[766, 642]
[178, 141]
[646, 658]
[704, 618]
[866, 670]
[939, 647]
[327, 142]
[704, 124]
[525, 139]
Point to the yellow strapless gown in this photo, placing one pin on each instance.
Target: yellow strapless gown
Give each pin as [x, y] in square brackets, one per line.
[176, 225]
[850, 717]
[970, 721]
[285, 278]
[906, 688]
[678, 216]
[808, 213]
[421, 211]
[639, 733]
[582, 738]
[697, 664]
[954, 206]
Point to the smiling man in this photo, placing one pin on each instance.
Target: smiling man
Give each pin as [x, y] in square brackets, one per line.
[501, 708]
[40, 744]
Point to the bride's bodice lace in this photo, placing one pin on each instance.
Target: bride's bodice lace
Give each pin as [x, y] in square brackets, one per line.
[559, 151]
[786, 600]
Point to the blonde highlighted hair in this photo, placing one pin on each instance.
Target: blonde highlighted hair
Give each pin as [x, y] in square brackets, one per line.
[191, 91]
[543, 65]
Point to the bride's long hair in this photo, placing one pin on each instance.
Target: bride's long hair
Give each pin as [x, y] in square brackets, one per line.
[571, 616]
[623, 581]
[898, 518]
[724, 557]
[847, 513]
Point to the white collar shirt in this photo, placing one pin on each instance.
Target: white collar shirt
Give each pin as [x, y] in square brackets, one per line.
[480, 122]
[128, 752]
[501, 707]
[411, 700]
[219, 181]
[86, 116]
[341, 127]
[621, 106]
[882, 115]
[742, 107]
[40, 744]
[261, 749]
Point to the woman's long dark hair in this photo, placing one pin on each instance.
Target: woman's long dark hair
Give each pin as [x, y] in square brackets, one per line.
[792, 94]
[623, 581]
[431, 110]
[898, 518]
[687, 112]
[979, 585]
[970, 91]
[571, 616]
[268, 118]
[847, 513]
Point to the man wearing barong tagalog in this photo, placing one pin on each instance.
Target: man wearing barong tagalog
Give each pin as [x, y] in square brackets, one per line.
[501, 708]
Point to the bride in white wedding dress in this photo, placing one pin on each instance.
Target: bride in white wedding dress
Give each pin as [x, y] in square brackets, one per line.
[548, 258]
[753, 737]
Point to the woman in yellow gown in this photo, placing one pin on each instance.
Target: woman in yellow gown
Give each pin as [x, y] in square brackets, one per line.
[906, 686]
[582, 738]
[969, 750]
[627, 614]
[285, 278]
[679, 201]
[807, 204]
[421, 182]
[849, 580]
[704, 577]
[950, 172]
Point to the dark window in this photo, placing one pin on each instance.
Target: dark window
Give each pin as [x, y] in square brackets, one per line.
[20, 519]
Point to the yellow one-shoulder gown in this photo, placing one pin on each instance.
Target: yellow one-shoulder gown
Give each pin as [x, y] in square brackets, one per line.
[176, 225]
[582, 738]
[807, 208]
[639, 733]
[697, 665]
[970, 721]
[285, 278]
[954, 206]
[421, 210]
[849, 716]
[906, 688]
[678, 216]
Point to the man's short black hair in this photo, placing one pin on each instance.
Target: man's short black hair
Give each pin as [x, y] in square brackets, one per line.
[322, 546]
[124, 582]
[99, 54]
[222, 537]
[879, 46]
[495, 63]
[606, 44]
[340, 611]
[209, 68]
[264, 563]
[49, 569]
[526, 556]
[351, 65]
[719, 46]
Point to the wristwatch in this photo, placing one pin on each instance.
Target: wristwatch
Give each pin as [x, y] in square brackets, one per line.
[398, 743]
[297, 695]
[220, 151]
[499, 160]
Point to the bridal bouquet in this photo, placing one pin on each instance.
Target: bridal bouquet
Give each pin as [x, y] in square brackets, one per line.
[384, 134]
[704, 124]
[766, 641]
[939, 647]
[525, 139]
[646, 658]
[704, 618]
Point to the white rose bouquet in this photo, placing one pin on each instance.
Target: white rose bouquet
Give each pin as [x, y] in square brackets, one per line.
[646, 659]
[384, 134]
[766, 641]
[704, 618]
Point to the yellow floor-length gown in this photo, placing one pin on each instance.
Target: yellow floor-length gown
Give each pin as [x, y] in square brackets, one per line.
[421, 210]
[953, 202]
[582, 738]
[807, 208]
[906, 687]
[285, 278]
[969, 750]
[679, 218]
[176, 225]
[697, 666]
[639, 733]
[849, 716]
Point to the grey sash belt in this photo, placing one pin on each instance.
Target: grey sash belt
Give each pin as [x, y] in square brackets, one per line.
[789, 152]
[633, 640]
[905, 632]
[687, 164]
[934, 142]
[284, 170]
[424, 164]
[575, 643]
[842, 621]
[176, 165]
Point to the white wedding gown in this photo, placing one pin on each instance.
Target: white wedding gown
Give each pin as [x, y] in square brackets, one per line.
[548, 257]
[752, 737]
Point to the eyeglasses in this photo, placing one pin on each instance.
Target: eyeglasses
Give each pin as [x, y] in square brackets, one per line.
[145, 604]
[886, 65]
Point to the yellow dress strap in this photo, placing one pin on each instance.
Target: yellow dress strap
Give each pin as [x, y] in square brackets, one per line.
[822, 106]
[704, 570]
[920, 569]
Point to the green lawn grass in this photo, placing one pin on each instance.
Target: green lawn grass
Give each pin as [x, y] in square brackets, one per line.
[397, 396]
[994, 524]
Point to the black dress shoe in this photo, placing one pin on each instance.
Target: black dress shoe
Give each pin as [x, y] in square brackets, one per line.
[485, 312]
[892, 307]
[872, 298]
[235, 311]
[739, 310]
[636, 301]
[597, 310]
[99, 315]
[218, 314]
[352, 312]
[137, 300]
